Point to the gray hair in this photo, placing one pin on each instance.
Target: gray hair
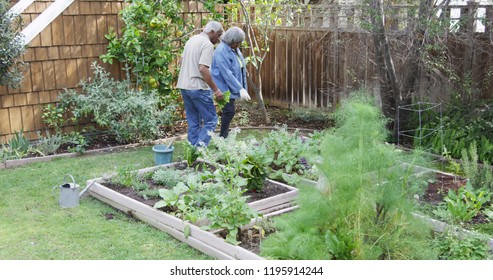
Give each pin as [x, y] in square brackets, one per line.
[233, 35]
[213, 26]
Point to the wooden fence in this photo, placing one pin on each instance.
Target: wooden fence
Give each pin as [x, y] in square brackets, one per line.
[315, 68]
[313, 59]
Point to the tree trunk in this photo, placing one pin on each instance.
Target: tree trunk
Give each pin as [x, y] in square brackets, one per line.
[385, 64]
[412, 78]
[257, 88]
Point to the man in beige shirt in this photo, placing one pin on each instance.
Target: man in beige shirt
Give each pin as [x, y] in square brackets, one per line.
[196, 84]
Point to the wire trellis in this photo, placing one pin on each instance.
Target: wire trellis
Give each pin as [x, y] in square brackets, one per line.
[419, 133]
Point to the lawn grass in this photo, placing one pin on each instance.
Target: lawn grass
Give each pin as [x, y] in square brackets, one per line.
[34, 227]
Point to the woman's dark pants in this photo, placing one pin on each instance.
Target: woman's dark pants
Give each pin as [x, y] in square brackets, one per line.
[227, 117]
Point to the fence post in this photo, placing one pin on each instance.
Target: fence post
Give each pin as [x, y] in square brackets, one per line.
[488, 25]
[468, 16]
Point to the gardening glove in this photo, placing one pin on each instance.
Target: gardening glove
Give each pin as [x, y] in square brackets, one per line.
[244, 95]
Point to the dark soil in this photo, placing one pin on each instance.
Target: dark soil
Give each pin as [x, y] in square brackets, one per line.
[278, 117]
[440, 186]
[247, 115]
[269, 189]
[438, 189]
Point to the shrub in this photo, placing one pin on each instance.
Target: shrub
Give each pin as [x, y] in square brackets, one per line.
[48, 145]
[53, 117]
[309, 115]
[130, 114]
[11, 46]
[461, 124]
[151, 40]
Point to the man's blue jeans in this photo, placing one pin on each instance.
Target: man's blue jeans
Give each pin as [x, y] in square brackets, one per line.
[201, 115]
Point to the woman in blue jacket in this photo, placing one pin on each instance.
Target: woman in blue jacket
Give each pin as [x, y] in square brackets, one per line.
[228, 71]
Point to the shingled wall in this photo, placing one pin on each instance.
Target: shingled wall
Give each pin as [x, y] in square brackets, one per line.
[59, 57]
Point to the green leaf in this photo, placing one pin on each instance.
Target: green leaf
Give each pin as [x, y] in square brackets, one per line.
[160, 204]
[187, 231]
[231, 238]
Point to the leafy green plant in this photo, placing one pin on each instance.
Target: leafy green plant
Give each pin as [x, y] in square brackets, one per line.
[242, 118]
[172, 198]
[12, 46]
[452, 247]
[189, 200]
[147, 193]
[464, 204]
[287, 150]
[7, 153]
[255, 171]
[19, 143]
[230, 212]
[53, 116]
[17, 147]
[453, 166]
[191, 153]
[309, 115]
[76, 142]
[461, 124]
[125, 176]
[250, 159]
[221, 103]
[49, 144]
[216, 199]
[168, 177]
[226, 150]
[480, 177]
[129, 114]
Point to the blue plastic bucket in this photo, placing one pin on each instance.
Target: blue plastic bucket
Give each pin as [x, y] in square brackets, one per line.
[163, 154]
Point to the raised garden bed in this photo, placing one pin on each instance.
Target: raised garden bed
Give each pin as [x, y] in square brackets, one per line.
[13, 163]
[205, 241]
